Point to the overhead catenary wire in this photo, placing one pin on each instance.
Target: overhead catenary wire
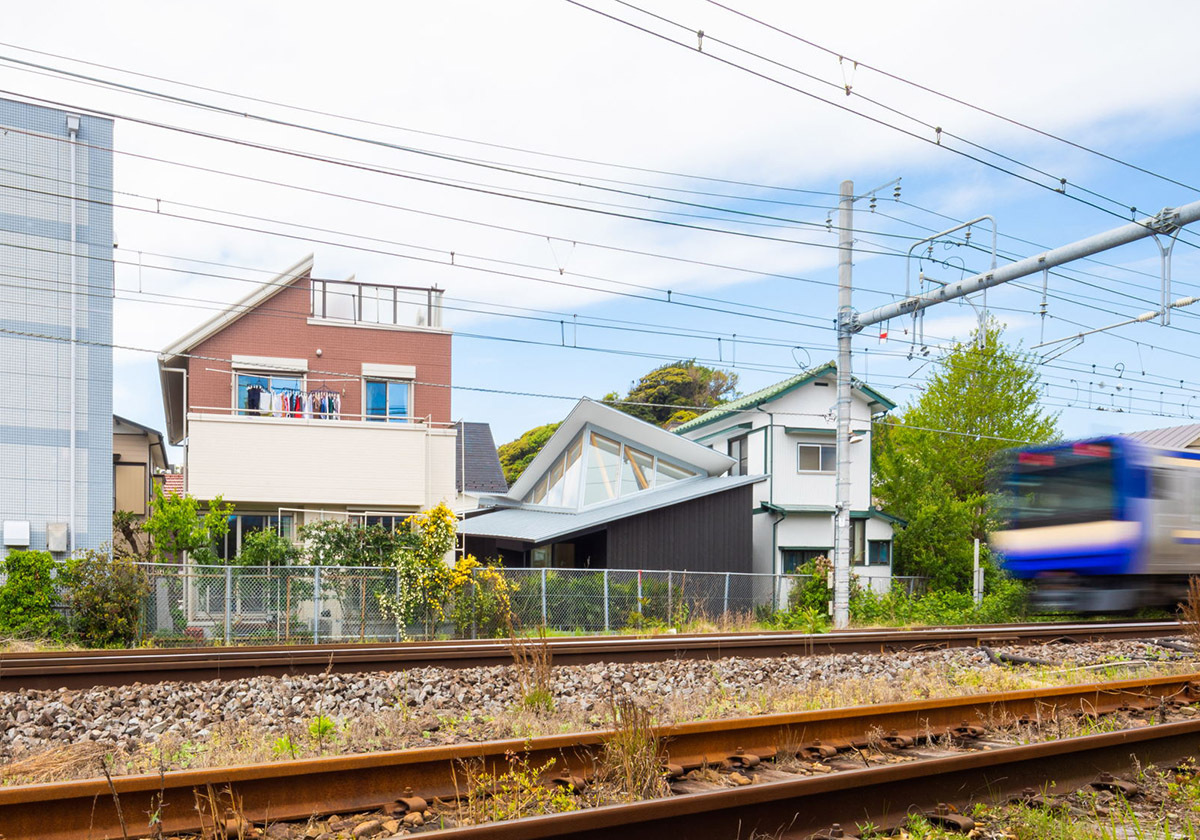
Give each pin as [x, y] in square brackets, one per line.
[858, 63]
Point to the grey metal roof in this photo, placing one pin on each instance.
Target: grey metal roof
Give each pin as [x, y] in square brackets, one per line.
[1172, 437]
[538, 525]
[477, 466]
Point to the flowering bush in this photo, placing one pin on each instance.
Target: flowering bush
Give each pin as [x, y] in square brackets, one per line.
[472, 596]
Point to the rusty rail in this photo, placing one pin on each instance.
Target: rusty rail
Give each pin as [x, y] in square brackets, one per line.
[75, 669]
[299, 789]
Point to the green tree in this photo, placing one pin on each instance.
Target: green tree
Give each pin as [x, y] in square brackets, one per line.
[676, 392]
[106, 594]
[176, 525]
[516, 455]
[932, 461]
[28, 599]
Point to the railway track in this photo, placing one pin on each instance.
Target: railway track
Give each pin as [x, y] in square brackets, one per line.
[930, 752]
[75, 669]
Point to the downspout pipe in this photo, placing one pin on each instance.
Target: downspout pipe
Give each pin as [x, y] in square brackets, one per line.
[72, 148]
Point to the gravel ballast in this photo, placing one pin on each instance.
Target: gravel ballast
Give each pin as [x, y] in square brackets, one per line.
[419, 702]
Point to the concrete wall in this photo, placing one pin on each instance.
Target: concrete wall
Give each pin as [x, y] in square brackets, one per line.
[265, 462]
[36, 297]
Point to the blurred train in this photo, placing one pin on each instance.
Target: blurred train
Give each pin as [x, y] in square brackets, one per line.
[1103, 525]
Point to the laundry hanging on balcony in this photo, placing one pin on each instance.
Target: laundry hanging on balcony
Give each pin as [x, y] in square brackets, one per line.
[285, 402]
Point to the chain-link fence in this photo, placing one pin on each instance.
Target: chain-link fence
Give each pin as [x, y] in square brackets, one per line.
[232, 604]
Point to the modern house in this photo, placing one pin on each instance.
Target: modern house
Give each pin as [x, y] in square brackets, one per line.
[786, 433]
[610, 491]
[56, 241]
[313, 398]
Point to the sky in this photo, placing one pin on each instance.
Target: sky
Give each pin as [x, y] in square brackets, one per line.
[600, 189]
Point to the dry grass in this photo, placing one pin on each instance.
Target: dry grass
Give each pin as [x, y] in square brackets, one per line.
[532, 661]
[631, 768]
[71, 761]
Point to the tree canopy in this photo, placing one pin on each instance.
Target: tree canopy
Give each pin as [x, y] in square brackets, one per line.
[932, 461]
[676, 392]
[516, 455]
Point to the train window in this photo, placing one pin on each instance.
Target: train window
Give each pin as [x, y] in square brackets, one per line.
[1160, 484]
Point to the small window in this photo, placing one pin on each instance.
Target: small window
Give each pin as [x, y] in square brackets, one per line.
[794, 559]
[816, 457]
[388, 401]
[880, 553]
[739, 451]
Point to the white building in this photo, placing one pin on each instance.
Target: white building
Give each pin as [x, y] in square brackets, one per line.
[788, 433]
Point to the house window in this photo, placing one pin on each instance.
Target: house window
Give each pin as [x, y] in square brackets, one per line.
[242, 525]
[858, 541]
[388, 401]
[739, 451]
[879, 553]
[816, 457]
[794, 559]
[265, 382]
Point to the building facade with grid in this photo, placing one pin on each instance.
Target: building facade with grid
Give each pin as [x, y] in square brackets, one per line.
[56, 329]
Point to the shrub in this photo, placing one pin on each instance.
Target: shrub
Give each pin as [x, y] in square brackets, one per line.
[267, 548]
[331, 543]
[28, 598]
[106, 594]
[176, 525]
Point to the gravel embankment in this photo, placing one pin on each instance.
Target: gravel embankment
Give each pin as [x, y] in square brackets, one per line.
[417, 703]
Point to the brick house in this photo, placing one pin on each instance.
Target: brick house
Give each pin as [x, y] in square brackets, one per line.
[311, 399]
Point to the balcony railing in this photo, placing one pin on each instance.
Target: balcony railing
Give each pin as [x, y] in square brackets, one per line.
[389, 306]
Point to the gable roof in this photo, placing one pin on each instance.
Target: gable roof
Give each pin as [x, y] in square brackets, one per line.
[174, 355]
[1172, 437]
[479, 469]
[777, 390]
[624, 425]
[154, 436]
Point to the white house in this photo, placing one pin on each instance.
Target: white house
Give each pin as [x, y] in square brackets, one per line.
[788, 432]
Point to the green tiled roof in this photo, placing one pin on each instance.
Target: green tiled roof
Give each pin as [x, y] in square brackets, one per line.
[778, 390]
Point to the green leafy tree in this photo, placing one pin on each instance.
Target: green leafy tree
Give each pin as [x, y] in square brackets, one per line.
[28, 600]
[516, 455]
[932, 461]
[331, 543]
[676, 392]
[106, 593]
[267, 548]
[176, 525]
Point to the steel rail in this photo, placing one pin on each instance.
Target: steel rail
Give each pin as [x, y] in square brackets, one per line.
[296, 790]
[76, 669]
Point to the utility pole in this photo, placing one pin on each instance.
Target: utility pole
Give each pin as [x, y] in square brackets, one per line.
[1166, 223]
[845, 319]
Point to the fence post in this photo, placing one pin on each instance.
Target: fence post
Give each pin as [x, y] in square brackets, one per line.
[543, 597]
[774, 592]
[606, 625]
[639, 600]
[725, 611]
[228, 604]
[397, 616]
[670, 612]
[316, 604]
[474, 607]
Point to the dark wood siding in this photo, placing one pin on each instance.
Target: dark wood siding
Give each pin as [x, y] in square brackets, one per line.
[710, 534]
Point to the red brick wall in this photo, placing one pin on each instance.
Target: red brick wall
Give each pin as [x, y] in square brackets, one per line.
[279, 327]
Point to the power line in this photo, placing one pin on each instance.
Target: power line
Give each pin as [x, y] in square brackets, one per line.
[957, 101]
[934, 141]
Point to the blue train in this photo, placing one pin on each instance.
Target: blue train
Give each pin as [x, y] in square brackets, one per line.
[1103, 525]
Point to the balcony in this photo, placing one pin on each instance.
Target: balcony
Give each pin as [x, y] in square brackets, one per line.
[372, 305]
[308, 462]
